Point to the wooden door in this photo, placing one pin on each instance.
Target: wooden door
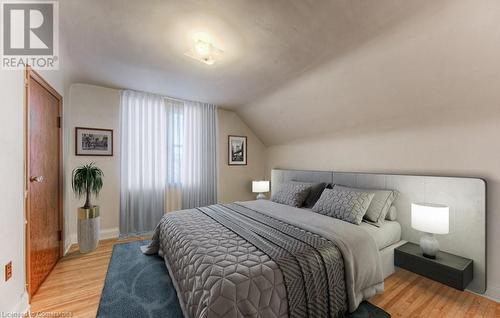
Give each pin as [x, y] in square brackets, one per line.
[44, 245]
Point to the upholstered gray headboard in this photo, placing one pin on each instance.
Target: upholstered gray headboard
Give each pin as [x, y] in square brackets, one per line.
[466, 198]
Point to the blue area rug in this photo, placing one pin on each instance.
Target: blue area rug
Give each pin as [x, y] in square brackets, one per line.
[139, 286]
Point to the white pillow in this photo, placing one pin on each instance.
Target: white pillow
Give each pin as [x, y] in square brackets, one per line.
[379, 206]
[392, 215]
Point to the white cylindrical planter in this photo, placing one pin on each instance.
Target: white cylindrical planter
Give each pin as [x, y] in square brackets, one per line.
[89, 224]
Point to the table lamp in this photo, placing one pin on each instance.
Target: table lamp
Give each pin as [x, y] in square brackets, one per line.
[431, 219]
[260, 187]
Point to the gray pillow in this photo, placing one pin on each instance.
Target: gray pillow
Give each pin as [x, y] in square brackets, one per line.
[343, 204]
[392, 215]
[314, 194]
[292, 194]
[380, 205]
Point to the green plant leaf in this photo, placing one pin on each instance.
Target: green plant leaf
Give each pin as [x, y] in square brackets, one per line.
[87, 180]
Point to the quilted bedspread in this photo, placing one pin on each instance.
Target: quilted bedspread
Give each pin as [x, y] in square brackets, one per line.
[234, 260]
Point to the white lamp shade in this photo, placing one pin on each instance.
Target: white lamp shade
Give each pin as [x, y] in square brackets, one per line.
[430, 218]
[260, 186]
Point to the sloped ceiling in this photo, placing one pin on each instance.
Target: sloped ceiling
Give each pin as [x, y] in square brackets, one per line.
[140, 44]
[438, 68]
[294, 69]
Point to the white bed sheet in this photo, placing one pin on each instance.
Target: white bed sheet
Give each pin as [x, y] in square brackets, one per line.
[385, 235]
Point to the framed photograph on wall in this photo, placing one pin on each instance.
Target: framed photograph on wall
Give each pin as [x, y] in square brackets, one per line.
[237, 150]
[93, 142]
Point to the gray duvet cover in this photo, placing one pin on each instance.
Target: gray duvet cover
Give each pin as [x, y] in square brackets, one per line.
[263, 259]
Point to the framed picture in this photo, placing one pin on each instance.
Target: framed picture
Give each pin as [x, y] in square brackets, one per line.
[237, 150]
[93, 142]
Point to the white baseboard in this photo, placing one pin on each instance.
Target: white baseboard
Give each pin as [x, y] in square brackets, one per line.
[73, 239]
[493, 293]
[23, 306]
[103, 235]
[109, 233]
[67, 247]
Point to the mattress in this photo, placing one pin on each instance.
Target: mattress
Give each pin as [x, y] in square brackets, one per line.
[385, 235]
[261, 258]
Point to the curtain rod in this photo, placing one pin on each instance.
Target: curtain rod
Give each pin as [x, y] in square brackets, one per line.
[168, 97]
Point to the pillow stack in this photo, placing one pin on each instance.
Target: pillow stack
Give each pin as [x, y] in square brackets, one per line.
[314, 194]
[299, 194]
[345, 203]
[355, 205]
[379, 206]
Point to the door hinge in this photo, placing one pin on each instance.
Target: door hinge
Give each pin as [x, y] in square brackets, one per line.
[59, 235]
[58, 121]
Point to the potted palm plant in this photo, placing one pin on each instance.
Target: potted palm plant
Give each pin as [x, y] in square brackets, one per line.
[87, 180]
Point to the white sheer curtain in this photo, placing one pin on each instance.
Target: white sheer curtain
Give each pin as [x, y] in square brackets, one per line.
[168, 158]
[199, 164]
[143, 158]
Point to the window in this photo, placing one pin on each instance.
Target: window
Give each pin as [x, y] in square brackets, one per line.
[174, 176]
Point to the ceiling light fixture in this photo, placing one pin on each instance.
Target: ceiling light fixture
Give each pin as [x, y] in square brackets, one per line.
[204, 51]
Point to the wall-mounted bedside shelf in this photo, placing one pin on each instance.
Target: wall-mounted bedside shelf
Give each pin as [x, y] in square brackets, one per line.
[449, 269]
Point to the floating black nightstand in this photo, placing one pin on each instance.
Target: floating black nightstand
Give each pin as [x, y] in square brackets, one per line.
[449, 269]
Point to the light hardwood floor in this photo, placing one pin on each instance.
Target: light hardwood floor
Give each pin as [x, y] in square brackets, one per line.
[410, 295]
[75, 286]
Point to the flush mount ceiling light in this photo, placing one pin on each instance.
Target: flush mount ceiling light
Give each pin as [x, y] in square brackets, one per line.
[204, 51]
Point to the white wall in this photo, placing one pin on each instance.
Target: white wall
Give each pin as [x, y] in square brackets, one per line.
[12, 248]
[234, 182]
[420, 98]
[12, 172]
[99, 107]
[95, 107]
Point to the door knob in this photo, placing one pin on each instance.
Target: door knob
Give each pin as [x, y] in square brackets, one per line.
[36, 179]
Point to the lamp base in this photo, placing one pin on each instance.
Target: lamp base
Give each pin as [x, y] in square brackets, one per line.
[429, 245]
[261, 196]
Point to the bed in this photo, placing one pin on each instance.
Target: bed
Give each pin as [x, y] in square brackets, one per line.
[261, 258]
[387, 237]
[265, 259]
[466, 197]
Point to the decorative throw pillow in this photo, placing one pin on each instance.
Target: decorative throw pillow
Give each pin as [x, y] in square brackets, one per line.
[346, 205]
[392, 214]
[292, 194]
[380, 205]
[314, 194]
